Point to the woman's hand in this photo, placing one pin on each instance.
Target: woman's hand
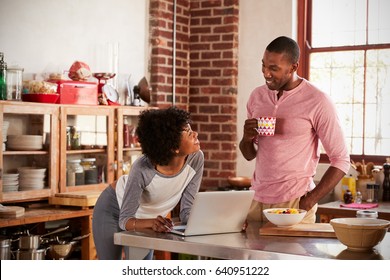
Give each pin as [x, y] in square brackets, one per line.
[161, 224]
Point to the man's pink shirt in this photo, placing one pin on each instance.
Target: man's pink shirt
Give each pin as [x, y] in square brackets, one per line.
[287, 161]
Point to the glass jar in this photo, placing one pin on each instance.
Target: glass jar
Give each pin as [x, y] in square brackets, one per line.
[90, 170]
[372, 192]
[74, 173]
[367, 214]
[14, 83]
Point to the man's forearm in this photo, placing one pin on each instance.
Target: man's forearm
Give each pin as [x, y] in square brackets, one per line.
[328, 181]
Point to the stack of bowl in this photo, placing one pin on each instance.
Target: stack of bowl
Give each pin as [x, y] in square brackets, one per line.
[25, 142]
[31, 178]
[5, 131]
[10, 182]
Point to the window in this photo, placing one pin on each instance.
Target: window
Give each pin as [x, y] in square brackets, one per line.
[345, 48]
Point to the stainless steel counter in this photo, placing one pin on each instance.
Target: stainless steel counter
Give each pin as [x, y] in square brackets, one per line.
[250, 245]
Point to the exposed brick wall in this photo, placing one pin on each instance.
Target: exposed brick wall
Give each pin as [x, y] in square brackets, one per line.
[206, 74]
[161, 59]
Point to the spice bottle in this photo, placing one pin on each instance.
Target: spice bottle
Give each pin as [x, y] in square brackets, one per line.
[3, 78]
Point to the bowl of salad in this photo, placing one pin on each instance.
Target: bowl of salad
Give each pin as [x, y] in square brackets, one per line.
[284, 217]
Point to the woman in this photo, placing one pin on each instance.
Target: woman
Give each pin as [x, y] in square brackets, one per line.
[170, 170]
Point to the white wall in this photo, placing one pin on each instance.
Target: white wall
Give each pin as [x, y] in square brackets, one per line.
[49, 35]
[261, 21]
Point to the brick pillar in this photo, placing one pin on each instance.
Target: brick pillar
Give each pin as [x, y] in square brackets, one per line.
[206, 74]
[162, 51]
[213, 85]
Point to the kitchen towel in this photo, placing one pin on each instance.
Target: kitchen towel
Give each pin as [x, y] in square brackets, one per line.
[360, 205]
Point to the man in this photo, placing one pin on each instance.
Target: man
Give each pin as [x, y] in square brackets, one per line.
[287, 161]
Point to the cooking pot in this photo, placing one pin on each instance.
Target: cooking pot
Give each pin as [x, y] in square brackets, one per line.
[5, 248]
[33, 254]
[30, 242]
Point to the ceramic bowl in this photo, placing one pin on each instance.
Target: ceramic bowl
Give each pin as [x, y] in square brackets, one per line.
[284, 219]
[41, 98]
[360, 234]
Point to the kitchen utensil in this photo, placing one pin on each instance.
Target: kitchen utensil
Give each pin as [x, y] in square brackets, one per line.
[110, 92]
[32, 254]
[144, 90]
[30, 242]
[103, 76]
[5, 248]
[61, 251]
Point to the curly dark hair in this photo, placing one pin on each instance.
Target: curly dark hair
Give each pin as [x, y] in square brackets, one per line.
[159, 132]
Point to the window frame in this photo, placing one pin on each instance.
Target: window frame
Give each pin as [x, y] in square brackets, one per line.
[304, 30]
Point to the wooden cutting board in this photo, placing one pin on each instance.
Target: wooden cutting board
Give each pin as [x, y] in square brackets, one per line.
[78, 198]
[11, 212]
[301, 230]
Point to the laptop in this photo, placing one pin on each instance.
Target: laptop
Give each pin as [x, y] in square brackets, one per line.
[217, 212]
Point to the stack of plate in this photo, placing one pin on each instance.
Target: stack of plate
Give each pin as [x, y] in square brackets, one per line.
[5, 131]
[31, 178]
[10, 182]
[25, 142]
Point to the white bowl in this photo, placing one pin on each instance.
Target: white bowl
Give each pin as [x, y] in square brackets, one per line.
[285, 219]
[360, 234]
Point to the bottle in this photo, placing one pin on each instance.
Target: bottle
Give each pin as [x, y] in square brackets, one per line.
[359, 197]
[386, 182]
[126, 133]
[3, 78]
[348, 198]
[348, 183]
